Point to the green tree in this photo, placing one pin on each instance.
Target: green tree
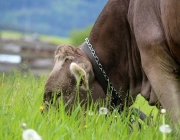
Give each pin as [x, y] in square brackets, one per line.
[78, 36]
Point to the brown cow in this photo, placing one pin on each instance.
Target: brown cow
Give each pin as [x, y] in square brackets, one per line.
[137, 47]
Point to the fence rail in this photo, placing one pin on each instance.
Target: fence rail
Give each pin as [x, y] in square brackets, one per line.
[28, 55]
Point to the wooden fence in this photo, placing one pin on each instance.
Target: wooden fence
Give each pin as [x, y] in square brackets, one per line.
[28, 55]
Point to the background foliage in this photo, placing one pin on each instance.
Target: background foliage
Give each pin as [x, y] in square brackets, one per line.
[78, 36]
[55, 17]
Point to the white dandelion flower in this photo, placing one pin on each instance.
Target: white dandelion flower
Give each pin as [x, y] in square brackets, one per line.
[90, 113]
[103, 110]
[29, 134]
[165, 128]
[163, 111]
[24, 126]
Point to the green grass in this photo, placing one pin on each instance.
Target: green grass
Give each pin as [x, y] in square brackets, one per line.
[56, 40]
[10, 34]
[47, 38]
[20, 100]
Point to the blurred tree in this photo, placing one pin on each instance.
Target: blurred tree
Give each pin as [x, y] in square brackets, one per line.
[54, 17]
[78, 36]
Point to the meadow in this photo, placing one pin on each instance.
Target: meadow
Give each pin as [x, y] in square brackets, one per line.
[21, 98]
[47, 38]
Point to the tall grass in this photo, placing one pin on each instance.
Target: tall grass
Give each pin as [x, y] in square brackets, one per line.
[20, 100]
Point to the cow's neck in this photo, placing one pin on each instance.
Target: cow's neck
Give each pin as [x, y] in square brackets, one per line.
[110, 38]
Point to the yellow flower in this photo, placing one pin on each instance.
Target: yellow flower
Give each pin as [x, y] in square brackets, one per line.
[41, 107]
[85, 126]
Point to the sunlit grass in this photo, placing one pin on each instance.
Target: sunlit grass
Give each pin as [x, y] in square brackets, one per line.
[21, 102]
[47, 38]
[143, 105]
[10, 34]
[56, 40]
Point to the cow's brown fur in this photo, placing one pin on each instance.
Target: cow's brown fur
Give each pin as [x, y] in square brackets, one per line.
[64, 77]
[63, 53]
[138, 44]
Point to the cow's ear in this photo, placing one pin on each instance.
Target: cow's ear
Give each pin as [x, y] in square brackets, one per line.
[80, 75]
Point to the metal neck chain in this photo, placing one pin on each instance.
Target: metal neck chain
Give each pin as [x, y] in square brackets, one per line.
[111, 87]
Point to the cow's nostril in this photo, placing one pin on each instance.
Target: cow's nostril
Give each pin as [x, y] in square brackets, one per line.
[58, 95]
[53, 97]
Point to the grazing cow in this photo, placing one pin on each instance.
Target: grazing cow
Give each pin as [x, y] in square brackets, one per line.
[133, 47]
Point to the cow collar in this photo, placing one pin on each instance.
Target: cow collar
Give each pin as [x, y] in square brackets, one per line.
[102, 78]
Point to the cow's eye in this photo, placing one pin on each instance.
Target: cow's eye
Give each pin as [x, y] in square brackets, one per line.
[66, 60]
[81, 81]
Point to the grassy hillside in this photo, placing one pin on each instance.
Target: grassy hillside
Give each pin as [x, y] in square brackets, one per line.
[47, 38]
[21, 98]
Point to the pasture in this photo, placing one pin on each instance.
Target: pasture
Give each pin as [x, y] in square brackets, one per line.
[46, 38]
[20, 100]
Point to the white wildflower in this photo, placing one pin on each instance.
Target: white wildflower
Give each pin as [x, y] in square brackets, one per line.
[103, 110]
[24, 126]
[29, 134]
[163, 111]
[165, 128]
[90, 113]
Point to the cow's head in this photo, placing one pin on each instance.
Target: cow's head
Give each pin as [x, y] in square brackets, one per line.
[72, 78]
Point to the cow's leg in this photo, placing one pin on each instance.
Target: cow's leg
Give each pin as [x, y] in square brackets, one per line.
[157, 63]
[171, 22]
[161, 69]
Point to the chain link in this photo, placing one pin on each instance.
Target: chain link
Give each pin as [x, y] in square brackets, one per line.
[112, 89]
